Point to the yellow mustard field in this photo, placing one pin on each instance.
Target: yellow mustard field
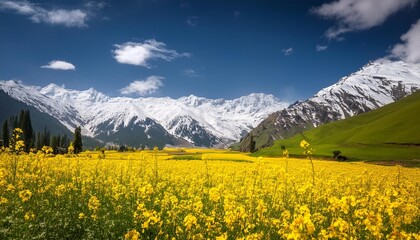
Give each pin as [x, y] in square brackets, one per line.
[203, 194]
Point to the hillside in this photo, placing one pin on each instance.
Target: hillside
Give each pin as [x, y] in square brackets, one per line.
[376, 84]
[40, 120]
[391, 132]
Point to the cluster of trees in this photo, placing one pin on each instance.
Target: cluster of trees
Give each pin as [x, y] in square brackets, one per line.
[22, 121]
[59, 143]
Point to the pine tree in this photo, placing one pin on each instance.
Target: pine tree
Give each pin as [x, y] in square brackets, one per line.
[6, 133]
[77, 143]
[39, 138]
[46, 137]
[54, 143]
[252, 144]
[26, 126]
[65, 142]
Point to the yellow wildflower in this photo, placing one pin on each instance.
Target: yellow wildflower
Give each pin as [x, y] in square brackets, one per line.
[190, 221]
[29, 216]
[25, 195]
[94, 204]
[132, 235]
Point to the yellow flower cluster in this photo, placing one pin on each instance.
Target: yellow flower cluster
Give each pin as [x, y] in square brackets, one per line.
[220, 195]
[25, 195]
[93, 206]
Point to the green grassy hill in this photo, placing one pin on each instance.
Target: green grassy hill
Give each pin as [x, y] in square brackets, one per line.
[388, 133]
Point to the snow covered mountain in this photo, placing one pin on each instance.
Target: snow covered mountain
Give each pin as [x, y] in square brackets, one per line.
[376, 84]
[149, 121]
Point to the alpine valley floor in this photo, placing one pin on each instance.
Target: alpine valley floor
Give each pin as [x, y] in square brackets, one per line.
[203, 194]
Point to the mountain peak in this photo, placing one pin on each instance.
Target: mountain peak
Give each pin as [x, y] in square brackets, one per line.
[201, 121]
[52, 88]
[193, 100]
[376, 84]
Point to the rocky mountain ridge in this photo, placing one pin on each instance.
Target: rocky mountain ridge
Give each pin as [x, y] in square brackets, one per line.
[376, 84]
[158, 121]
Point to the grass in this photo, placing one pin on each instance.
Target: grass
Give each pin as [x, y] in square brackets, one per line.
[390, 133]
[215, 155]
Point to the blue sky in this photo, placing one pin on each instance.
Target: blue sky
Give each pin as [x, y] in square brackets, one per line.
[214, 49]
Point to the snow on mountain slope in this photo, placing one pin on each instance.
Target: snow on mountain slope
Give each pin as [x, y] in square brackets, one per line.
[221, 120]
[66, 114]
[201, 121]
[376, 84]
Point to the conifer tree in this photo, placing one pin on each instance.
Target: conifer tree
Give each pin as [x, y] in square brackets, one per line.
[46, 137]
[77, 143]
[26, 125]
[6, 135]
[252, 144]
[39, 138]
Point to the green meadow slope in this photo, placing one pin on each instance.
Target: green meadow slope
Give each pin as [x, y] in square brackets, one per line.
[388, 133]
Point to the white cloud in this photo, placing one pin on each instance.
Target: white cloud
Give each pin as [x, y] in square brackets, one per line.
[68, 18]
[287, 51]
[95, 5]
[190, 73]
[59, 65]
[144, 87]
[320, 48]
[409, 50]
[192, 21]
[140, 53]
[73, 18]
[355, 15]
[23, 7]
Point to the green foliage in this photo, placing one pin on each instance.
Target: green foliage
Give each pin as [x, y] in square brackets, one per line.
[77, 143]
[26, 125]
[187, 157]
[252, 144]
[387, 133]
[336, 153]
[6, 133]
[23, 122]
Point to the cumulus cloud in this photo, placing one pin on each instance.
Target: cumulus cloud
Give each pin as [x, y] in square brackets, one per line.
[68, 18]
[190, 73]
[22, 7]
[140, 53]
[287, 51]
[409, 50]
[72, 18]
[144, 87]
[320, 48]
[59, 65]
[356, 15]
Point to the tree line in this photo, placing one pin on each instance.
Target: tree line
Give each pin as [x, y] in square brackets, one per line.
[35, 141]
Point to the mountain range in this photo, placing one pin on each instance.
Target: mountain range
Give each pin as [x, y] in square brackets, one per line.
[197, 121]
[376, 84]
[149, 122]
